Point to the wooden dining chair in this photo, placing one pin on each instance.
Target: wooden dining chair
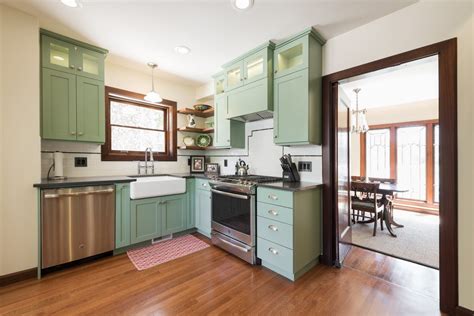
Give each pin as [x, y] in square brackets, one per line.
[357, 178]
[370, 203]
[389, 198]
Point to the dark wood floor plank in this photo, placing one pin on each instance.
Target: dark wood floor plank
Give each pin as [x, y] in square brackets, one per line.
[213, 282]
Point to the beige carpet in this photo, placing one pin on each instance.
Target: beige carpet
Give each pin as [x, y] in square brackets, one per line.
[418, 241]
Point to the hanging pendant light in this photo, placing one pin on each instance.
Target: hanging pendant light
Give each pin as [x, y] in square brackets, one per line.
[153, 96]
[359, 120]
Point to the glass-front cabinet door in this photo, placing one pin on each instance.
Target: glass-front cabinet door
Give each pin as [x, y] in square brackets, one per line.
[256, 66]
[291, 57]
[234, 75]
[90, 64]
[219, 84]
[58, 55]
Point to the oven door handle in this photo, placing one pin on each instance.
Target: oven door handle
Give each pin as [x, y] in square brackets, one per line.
[237, 196]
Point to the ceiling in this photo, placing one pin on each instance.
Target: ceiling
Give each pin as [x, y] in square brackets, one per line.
[140, 31]
[410, 82]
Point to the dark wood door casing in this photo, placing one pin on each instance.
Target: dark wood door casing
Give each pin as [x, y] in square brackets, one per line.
[447, 60]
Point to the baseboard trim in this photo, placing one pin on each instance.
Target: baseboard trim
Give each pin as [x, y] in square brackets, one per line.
[18, 276]
[462, 311]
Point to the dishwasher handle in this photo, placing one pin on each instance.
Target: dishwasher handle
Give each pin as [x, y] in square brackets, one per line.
[57, 195]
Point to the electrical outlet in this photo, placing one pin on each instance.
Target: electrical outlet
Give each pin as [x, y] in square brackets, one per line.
[80, 161]
[305, 166]
[225, 162]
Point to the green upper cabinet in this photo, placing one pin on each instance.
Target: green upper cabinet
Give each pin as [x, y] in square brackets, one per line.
[227, 133]
[298, 90]
[72, 84]
[249, 84]
[90, 110]
[58, 98]
[220, 85]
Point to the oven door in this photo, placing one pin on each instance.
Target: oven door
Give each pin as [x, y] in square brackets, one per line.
[234, 215]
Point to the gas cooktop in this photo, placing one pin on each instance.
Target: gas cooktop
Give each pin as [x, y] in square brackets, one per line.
[241, 184]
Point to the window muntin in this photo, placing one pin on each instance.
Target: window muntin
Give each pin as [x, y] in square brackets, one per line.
[378, 153]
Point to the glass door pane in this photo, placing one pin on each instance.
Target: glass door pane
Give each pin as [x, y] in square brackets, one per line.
[91, 64]
[411, 161]
[255, 66]
[378, 153]
[436, 163]
[234, 76]
[57, 55]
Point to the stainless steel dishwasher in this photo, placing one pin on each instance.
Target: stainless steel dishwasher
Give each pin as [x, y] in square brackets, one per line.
[76, 223]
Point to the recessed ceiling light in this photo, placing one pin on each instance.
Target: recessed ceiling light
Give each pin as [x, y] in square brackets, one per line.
[72, 3]
[183, 50]
[242, 4]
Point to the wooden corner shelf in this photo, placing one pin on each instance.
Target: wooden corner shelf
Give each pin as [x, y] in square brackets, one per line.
[195, 148]
[206, 113]
[196, 130]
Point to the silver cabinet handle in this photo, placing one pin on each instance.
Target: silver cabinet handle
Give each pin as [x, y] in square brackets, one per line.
[204, 184]
[273, 227]
[273, 197]
[273, 251]
[56, 195]
[237, 196]
[273, 212]
[73, 133]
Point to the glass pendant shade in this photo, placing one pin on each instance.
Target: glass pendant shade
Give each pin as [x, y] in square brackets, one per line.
[153, 96]
[359, 123]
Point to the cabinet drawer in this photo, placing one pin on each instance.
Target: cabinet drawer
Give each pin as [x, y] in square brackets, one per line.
[202, 184]
[274, 196]
[275, 255]
[274, 231]
[274, 212]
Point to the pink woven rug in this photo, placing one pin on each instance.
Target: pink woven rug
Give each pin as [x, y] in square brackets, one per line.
[165, 251]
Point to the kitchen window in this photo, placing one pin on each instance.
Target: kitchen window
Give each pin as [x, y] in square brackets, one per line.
[133, 124]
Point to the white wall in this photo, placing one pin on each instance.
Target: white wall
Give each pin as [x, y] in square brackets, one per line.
[416, 111]
[19, 139]
[421, 24]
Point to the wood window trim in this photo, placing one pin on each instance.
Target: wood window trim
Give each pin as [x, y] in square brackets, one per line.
[427, 206]
[170, 127]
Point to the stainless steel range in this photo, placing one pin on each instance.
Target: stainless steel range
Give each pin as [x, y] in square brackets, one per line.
[234, 214]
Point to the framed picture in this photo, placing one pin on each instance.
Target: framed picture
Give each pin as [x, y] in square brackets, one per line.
[197, 164]
[212, 169]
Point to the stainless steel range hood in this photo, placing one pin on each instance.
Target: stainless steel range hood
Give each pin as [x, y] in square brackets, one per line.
[257, 116]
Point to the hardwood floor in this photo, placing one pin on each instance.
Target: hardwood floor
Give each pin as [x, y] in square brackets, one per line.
[214, 282]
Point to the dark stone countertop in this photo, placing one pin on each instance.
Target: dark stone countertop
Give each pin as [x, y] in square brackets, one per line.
[81, 181]
[291, 186]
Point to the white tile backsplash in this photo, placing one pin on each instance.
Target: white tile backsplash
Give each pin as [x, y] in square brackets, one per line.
[260, 153]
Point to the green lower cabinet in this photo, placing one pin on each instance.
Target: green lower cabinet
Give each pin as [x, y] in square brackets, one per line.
[173, 213]
[146, 219]
[191, 194]
[289, 230]
[203, 211]
[122, 215]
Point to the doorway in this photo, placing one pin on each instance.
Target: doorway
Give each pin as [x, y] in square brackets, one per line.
[336, 212]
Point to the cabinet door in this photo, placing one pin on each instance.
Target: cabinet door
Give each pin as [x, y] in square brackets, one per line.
[90, 64]
[145, 220]
[221, 123]
[203, 211]
[173, 213]
[122, 215]
[90, 110]
[256, 66]
[58, 55]
[291, 57]
[291, 109]
[219, 84]
[251, 98]
[234, 75]
[191, 192]
[58, 108]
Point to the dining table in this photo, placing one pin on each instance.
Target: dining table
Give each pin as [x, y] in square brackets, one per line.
[389, 190]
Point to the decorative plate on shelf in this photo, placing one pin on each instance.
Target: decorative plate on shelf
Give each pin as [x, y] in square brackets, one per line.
[201, 107]
[188, 141]
[203, 140]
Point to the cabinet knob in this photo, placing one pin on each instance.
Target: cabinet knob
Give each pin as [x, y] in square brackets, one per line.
[72, 66]
[79, 68]
[73, 133]
[273, 250]
[276, 70]
[80, 133]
